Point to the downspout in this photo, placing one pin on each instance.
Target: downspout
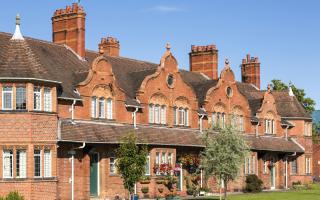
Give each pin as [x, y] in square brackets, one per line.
[135, 118]
[72, 153]
[286, 136]
[286, 172]
[72, 109]
[200, 122]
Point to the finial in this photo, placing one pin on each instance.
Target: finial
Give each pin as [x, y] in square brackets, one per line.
[18, 20]
[168, 46]
[291, 94]
[269, 87]
[227, 63]
[17, 33]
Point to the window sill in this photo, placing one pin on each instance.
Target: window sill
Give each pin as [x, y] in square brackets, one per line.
[158, 125]
[181, 126]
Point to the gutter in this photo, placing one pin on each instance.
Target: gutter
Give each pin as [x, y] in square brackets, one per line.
[32, 79]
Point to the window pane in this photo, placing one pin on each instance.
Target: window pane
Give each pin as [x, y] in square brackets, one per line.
[47, 99]
[7, 98]
[163, 115]
[21, 164]
[109, 108]
[93, 107]
[294, 166]
[186, 118]
[37, 163]
[101, 108]
[37, 98]
[21, 101]
[47, 163]
[181, 116]
[157, 114]
[151, 117]
[169, 158]
[7, 164]
[112, 165]
[163, 157]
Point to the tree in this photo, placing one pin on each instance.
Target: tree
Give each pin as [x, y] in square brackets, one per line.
[300, 94]
[131, 161]
[224, 155]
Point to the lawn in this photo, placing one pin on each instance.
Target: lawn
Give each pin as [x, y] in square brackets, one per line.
[311, 194]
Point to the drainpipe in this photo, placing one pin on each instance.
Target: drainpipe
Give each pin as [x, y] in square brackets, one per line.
[72, 109]
[287, 132]
[200, 122]
[72, 152]
[286, 171]
[201, 178]
[135, 118]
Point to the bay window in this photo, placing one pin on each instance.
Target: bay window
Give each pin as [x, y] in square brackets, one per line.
[7, 99]
[47, 163]
[37, 163]
[21, 100]
[21, 164]
[37, 98]
[7, 164]
[47, 100]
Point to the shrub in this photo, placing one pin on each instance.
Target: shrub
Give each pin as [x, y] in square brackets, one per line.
[253, 184]
[13, 196]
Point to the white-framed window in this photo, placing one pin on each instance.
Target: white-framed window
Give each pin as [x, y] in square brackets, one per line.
[109, 108]
[21, 99]
[218, 119]
[163, 114]
[186, 119]
[21, 164]
[308, 165]
[163, 157]
[7, 164]
[237, 122]
[37, 98]
[308, 129]
[269, 125]
[148, 166]
[294, 166]
[7, 98]
[250, 165]
[157, 114]
[101, 107]
[151, 113]
[47, 104]
[37, 163]
[157, 158]
[47, 163]
[181, 116]
[94, 107]
[112, 165]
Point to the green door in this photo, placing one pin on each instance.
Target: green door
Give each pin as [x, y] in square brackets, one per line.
[94, 175]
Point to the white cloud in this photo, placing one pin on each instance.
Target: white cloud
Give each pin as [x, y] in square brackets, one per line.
[162, 8]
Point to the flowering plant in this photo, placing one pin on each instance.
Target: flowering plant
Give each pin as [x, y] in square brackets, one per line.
[190, 162]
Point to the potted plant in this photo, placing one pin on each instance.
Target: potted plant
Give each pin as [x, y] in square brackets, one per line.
[145, 180]
[145, 191]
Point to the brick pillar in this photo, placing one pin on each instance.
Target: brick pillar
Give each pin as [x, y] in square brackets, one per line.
[109, 46]
[68, 27]
[250, 70]
[204, 59]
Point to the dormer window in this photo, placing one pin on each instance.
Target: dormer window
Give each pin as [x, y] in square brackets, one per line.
[181, 116]
[269, 126]
[157, 114]
[101, 108]
[7, 99]
[37, 98]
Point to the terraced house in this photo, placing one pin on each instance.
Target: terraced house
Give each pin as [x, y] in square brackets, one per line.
[65, 108]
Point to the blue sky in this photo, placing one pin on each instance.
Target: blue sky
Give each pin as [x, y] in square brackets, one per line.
[284, 34]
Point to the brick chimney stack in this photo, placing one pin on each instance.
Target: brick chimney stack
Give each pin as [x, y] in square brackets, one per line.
[68, 27]
[204, 59]
[109, 46]
[250, 70]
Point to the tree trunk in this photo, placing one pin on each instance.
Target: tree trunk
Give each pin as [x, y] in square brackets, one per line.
[225, 189]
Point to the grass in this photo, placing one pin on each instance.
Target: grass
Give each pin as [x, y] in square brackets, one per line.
[310, 194]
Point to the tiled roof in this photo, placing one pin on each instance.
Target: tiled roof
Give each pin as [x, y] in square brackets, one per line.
[111, 133]
[32, 58]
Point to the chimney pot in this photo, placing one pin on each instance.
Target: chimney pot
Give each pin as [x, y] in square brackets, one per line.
[109, 46]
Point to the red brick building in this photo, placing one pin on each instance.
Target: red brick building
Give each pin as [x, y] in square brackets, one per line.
[64, 110]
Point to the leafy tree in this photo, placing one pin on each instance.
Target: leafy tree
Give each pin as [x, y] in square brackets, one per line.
[224, 155]
[131, 161]
[300, 94]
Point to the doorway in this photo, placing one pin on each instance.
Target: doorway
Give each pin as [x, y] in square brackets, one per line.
[94, 174]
